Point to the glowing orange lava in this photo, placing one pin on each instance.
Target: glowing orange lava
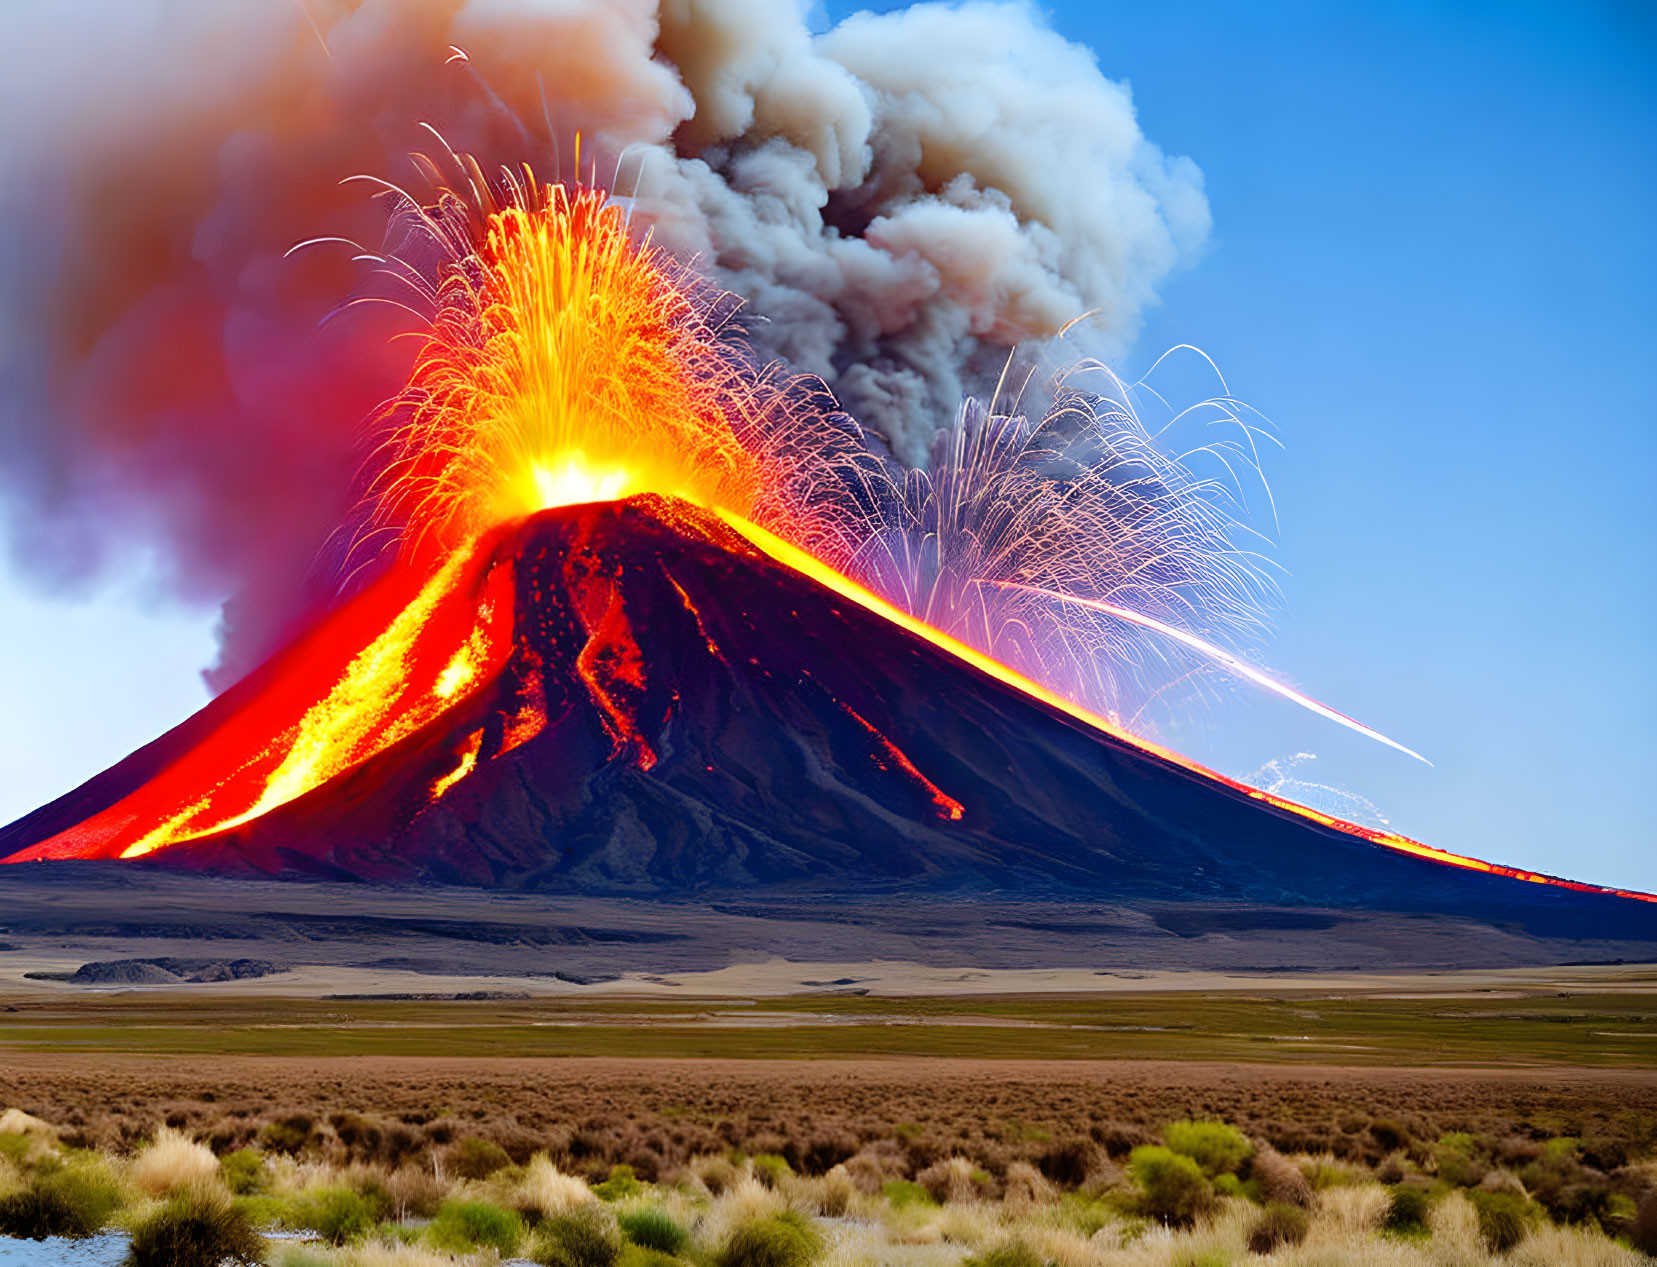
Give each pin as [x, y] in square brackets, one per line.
[386, 664]
[948, 806]
[566, 364]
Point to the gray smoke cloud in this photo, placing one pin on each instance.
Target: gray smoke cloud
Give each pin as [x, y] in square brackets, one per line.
[899, 200]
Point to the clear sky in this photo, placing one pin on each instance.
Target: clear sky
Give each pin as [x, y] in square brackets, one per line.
[1434, 267]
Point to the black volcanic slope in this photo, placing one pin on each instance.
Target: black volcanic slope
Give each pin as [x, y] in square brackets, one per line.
[790, 740]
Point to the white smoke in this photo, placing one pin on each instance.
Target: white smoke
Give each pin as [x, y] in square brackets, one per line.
[899, 200]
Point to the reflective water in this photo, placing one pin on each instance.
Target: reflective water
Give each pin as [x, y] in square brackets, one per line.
[104, 1250]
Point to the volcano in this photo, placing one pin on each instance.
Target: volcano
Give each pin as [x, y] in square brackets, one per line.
[635, 698]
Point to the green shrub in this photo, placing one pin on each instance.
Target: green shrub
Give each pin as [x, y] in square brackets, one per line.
[585, 1236]
[1173, 1188]
[244, 1172]
[621, 1184]
[76, 1200]
[1329, 1172]
[905, 1192]
[1084, 1214]
[475, 1158]
[1565, 1188]
[1582, 1202]
[1407, 1210]
[1216, 1147]
[784, 1240]
[302, 1256]
[639, 1256]
[1460, 1160]
[463, 1226]
[1014, 1253]
[1620, 1213]
[654, 1228]
[1229, 1185]
[196, 1228]
[288, 1135]
[338, 1215]
[1277, 1226]
[771, 1169]
[1504, 1219]
[1202, 1258]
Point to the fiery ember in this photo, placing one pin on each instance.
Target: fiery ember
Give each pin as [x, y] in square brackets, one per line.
[565, 364]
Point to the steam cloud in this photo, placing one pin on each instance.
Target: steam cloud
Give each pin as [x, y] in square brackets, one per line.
[899, 200]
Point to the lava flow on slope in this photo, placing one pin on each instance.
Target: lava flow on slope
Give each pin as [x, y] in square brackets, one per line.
[634, 697]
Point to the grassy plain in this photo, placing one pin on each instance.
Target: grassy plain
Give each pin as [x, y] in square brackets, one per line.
[1488, 1029]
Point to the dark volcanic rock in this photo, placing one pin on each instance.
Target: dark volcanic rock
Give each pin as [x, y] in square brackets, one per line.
[124, 972]
[719, 723]
[166, 971]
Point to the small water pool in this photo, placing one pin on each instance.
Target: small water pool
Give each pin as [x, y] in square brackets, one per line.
[107, 1249]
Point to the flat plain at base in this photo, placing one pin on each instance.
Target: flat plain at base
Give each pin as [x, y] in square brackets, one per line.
[1522, 1023]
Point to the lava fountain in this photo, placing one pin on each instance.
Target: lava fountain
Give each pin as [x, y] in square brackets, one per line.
[565, 364]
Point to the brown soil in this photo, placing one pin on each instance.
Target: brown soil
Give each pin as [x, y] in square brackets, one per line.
[656, 1113]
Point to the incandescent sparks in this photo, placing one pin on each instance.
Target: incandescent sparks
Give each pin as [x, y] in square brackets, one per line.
[564, 363]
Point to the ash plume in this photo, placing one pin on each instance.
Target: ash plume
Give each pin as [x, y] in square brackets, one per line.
[898, 200]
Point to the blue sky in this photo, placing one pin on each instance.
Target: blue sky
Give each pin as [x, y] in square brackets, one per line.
[1433, 267]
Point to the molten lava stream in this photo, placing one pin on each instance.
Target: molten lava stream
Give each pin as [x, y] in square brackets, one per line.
[386, 663]
[801, 561]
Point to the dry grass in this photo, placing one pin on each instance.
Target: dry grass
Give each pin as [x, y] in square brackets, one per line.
[173, 1161]
[17, 1122]
[1572, 1247]
[1455, 1226]
[1351, 1213]
[745, 1201]
[394, 1254]
[543, 1191]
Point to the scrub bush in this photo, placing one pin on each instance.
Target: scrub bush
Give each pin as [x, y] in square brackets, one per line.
[1504, 1219]
[1407, 1211]
[198, 1227]
[783, 1240]
[1277, 1226]
[1173, 1188]
[654, 1228]
[463, 1226]
[585, 1236]
[475, 1158]
[77, 1200]
[1215, 1146]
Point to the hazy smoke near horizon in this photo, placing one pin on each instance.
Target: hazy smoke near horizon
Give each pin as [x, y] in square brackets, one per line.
[898, 200]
